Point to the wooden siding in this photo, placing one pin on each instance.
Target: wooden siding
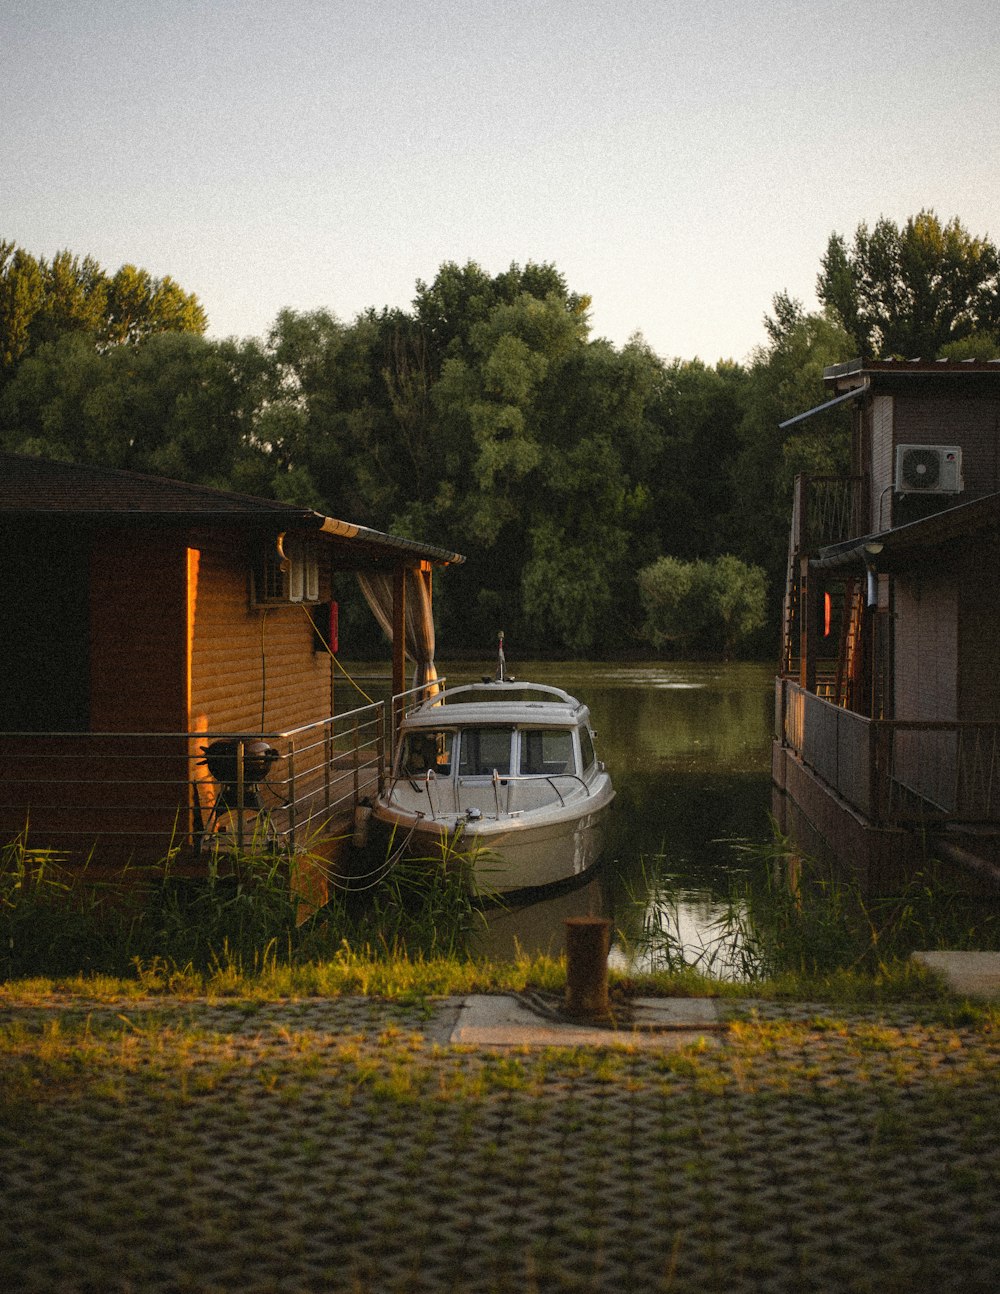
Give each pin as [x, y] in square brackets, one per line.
[972, 422]
[926, 646]
[138, 624]
[882, 462]
[979, 602]
[250, 661]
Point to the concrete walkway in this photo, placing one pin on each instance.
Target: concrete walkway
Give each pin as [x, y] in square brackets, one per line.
[484, 1144]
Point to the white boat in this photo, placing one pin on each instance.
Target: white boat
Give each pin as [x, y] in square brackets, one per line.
[507, 772]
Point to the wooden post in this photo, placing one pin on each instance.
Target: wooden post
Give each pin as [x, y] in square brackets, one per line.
[588, 940]
[807, 628]
[398, 639]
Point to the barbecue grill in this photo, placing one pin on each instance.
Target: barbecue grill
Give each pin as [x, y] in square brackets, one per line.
[222, 761]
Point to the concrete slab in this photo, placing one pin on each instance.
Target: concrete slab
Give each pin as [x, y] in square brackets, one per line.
[506, 1021]
[974, 974]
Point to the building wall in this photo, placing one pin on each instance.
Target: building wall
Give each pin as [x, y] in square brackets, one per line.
[882, 466]
[138, 592]
[249, 662]
[925, 628]
[979, 601]
[972, 422]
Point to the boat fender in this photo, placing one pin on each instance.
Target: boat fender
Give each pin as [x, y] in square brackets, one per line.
[362, 819]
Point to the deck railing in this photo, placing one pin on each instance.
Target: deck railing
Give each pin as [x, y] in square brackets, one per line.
[899, 772]
[141, 795]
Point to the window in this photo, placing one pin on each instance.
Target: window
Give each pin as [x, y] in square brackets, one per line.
[483, 750]
[294, 580]
[426, 750]
[586, 748]
[547, 751]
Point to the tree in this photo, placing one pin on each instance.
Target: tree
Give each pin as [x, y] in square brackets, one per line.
[22, 293]
[911, 291]
[785, 378]
[172, 405]
[139, 305]
[41, 301]
[714, 606]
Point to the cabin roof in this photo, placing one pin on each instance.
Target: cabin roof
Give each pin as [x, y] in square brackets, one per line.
[491, 705]
[898, 547]
[42, 489]
[903, 374]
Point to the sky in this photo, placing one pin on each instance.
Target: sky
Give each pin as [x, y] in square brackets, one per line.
[678, 162]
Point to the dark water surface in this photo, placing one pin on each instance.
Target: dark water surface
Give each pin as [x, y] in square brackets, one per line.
[688, 749]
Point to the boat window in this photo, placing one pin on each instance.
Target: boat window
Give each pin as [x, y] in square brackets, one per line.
[424, 750]
[483, 750]
[547, 751]
[586, 748]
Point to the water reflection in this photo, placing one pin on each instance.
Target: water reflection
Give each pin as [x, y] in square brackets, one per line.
[688, 749]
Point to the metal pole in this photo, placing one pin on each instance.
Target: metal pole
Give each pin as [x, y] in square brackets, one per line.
[240, 799]
[291, 796]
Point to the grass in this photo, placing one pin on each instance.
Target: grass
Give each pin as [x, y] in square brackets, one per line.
[168, 931]
[234, 935]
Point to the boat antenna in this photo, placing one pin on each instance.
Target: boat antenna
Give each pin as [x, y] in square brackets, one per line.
[501, 662]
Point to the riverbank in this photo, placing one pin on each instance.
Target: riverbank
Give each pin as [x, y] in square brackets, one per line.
[163, 1143]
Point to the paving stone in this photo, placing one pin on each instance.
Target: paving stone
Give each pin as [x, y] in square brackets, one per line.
[340, 1150]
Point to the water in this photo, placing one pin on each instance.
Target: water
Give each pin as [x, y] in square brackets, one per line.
[688, 748]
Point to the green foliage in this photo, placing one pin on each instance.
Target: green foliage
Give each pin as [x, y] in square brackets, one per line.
[487, 419]
[788, 922]
[241, 916]
[41, 301]
[912, 290]
[785, 378]
[703, 606]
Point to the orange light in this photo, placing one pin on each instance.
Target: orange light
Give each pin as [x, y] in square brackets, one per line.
[827, 614]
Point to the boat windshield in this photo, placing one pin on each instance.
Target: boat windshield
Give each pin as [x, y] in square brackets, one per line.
[426, 750]
[483, 750]
[547, 750]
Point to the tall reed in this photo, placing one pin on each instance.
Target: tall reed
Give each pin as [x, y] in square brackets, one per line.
[784, 915]
[61, 920]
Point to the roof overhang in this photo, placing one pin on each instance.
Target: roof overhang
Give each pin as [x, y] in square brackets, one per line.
[84, 495]
[822, 408]
[901, 547]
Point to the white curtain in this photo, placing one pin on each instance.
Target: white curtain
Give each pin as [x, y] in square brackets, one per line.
[419, 645]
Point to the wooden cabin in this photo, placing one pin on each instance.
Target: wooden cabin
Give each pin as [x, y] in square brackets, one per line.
[145, 618]
[887, 721]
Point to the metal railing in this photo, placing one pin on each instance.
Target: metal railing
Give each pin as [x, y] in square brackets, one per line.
[140, 796]
[831, 512]
[900, 772]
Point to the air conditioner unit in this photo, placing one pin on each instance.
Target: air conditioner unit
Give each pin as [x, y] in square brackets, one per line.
[928, 469]
[291, 575]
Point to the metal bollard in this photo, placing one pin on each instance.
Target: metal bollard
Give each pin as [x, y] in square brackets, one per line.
[588, 942]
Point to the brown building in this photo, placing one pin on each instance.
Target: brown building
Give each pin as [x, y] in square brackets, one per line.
[144, 619]
[888, 697]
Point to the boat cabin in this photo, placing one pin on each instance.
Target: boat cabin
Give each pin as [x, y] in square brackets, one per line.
[495, 745]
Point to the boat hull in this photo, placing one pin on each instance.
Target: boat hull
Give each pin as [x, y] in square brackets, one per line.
[512, 853]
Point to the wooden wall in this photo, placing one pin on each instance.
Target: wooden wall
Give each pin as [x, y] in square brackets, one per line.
[138, 617]
[979, 659]
[249, 663]
[926, 645]
[970, 421]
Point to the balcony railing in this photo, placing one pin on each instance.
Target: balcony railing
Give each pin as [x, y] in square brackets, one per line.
[896, 772]
[826, 510]
[120, 796]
